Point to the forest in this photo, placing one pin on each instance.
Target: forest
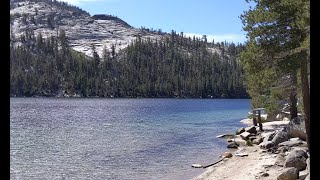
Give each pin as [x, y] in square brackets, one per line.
[174, 66]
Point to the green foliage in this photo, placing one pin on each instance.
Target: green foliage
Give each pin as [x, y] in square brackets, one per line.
[278, 35]
[249, 142]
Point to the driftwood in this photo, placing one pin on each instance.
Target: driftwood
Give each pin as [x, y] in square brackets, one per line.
[213, 163]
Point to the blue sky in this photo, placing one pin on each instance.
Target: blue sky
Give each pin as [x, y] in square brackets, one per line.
[218, 19]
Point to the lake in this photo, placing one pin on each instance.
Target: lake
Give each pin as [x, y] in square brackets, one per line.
[103, 138]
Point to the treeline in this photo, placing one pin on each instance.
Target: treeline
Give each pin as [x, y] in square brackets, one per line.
[175, 66]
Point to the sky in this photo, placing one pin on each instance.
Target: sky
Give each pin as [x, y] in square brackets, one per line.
[217, 19]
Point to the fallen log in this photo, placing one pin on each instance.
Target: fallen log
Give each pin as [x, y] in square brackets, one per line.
[213, 163]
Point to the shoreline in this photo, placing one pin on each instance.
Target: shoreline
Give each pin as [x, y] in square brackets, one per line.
[257, 164]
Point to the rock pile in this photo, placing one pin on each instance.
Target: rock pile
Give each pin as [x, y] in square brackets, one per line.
[287, 144]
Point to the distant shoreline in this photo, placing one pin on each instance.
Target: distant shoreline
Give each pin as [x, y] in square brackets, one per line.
[169, 97]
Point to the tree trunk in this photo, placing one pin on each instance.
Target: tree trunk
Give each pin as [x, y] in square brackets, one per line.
[306, 94]
[259, 121]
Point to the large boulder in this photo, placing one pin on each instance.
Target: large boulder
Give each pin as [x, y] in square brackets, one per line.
[267, 139]
[308, 164]
[297, 158]
[241, 130]
[245, 135]
[280, 137]
[251, 129]
[292, 143]
[269, 145]
[296, 128]
[289, 174]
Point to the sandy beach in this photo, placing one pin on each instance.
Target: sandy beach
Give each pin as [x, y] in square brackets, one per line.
[258, 164]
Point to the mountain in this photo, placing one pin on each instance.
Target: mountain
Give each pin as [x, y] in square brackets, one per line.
[48, 17]
[57, 49]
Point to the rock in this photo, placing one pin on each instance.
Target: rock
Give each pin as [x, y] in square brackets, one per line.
[81, 28]
[227, 154]
[240, 141]
[268, 145]
[262, 174]
[268, 136]
[241, 154]
[241, 130]
[303, 174]
[280, 160]
[294, 139]
[291, 143]
[245, 135]
[308, 164]
[252, 137]
[305, 149]
[296, 128]
[196, 165]
[289, 174]
[251, 129]
[308, 177]
[297, 159]
[226, 136]
[230, 140]
[257, 141]
[283, 149]
[285, 119]
[233, 145]
[280, 137]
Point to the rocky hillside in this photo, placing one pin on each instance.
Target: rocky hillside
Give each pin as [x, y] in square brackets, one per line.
[47, 17]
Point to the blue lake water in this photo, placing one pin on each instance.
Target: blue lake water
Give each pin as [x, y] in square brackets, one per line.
[96, 138]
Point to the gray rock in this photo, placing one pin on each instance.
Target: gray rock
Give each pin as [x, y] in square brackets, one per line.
[245, 135]
[297, 159]
[241, 154]
[280, 137]
[82, 29]
[241, 130]
[280, 160]
[268, 137]
[251, 129]
[268, 145]
[294, 139]
[283, 149]
[257, 141]
[233, 145]
[308, 177]
[291, 143]
[230, 140]
[289, 174]
[252, 137]
[303, 174]
[296, 128]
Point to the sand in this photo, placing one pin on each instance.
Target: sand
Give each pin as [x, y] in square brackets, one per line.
[259, 164]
